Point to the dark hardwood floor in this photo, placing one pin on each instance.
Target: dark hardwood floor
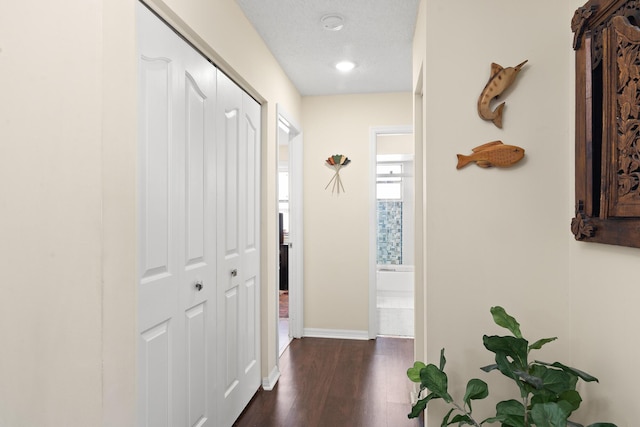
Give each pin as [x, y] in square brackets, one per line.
[337, 383]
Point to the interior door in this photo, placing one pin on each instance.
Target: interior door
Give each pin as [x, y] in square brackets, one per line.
[292, 139]
[238, 138]
[177, 259]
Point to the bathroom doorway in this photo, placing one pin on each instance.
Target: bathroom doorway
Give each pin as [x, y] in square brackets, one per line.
[392, 233]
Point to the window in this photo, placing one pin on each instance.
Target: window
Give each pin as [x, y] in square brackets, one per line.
[390, 188]
[389, 181]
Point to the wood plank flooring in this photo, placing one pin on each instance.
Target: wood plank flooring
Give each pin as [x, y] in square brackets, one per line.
[337, 383]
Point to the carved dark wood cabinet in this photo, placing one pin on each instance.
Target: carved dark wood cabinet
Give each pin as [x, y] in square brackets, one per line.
[607, 45]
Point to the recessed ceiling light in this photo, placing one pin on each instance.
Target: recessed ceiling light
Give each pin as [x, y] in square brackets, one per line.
[345, 66]
[332, 22]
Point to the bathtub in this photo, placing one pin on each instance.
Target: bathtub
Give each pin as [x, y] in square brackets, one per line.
[395, 280]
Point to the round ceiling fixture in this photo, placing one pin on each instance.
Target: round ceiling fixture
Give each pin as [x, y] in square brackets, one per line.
[332, 22]
[345, 66]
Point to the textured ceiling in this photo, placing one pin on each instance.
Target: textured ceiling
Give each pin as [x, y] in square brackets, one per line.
[377, 36]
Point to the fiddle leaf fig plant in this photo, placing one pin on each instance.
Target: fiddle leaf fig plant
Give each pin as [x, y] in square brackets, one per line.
[547, 391]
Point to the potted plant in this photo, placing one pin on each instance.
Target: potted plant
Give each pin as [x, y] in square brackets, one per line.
[547, 391]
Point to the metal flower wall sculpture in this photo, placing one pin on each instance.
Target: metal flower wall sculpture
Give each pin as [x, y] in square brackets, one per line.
[337, 162]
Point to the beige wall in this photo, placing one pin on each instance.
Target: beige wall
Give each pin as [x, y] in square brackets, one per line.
[50, 197]
[395, 144]
[336, 228]
[501, 237]
[68, 164]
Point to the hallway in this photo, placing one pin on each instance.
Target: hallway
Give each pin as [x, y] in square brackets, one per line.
[337, 383]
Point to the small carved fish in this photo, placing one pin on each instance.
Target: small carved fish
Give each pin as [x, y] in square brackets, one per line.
[499, 81]
[492, 154]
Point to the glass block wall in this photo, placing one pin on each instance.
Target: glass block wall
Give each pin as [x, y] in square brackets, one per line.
[389, 232]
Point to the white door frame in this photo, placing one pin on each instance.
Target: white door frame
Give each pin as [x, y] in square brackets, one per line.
[373, 150]
[296, 287]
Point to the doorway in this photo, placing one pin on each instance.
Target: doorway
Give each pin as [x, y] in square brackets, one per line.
[392, 224]
[290, 244]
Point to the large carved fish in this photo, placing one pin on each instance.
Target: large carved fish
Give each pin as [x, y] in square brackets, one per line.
[499, 81]
[492, 154]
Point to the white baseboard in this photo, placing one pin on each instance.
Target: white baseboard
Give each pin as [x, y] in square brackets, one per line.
[336, 333]
[270, 382]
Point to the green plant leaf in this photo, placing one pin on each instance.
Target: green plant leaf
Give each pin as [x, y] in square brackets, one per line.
[461, 420]
[548, 415]
[554, 380]
[585, 376]
[501, 318]
[572, 424]
[499, 419]
[436, 381]
[421, 405]
[510, 413]
[445, 420]
[443, 360]
[490, 368]
[510, 407]
[559, 381]
[506, 421]
[566, 407]
[476, 390]
[534, 381]
[417, 409]
[572, 397]
[505, 367]
[538, 344]
[414, 372]
[543, 396]
[515, 348]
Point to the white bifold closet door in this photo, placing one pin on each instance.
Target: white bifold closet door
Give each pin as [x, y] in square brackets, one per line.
[198, 326]
[238, 137]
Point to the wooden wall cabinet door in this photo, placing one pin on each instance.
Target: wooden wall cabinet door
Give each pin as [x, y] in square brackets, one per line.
[607, 46]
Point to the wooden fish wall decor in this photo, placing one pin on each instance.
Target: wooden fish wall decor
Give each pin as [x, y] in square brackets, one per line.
[499, 81]
[492, 154]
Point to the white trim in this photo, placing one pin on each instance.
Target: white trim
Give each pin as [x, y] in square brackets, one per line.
[373, 135]
[296, 253]
[270, 382]
[394, 158]
[336, 333]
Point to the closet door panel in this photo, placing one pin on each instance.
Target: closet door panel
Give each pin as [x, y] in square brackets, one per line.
[161, 397]
[196, 169]
[155, 380]
[238, 213]
[196, 327]
[157, 234]
[228, 168]
[199, 169]
[197, 224]
[250, 240]
[177, 258]
[229, 336]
